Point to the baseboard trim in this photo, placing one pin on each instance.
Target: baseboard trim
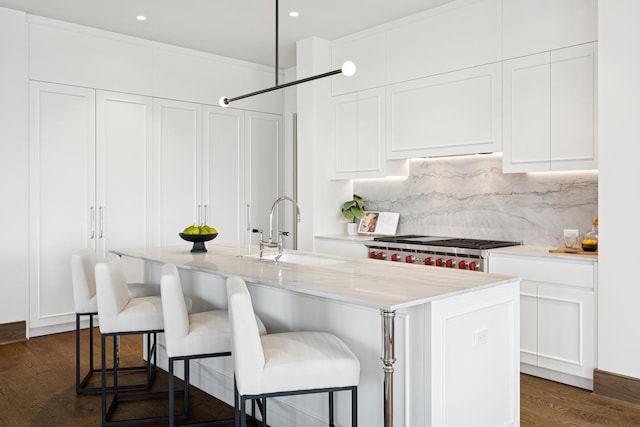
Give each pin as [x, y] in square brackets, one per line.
[13, 332]
[616, 386]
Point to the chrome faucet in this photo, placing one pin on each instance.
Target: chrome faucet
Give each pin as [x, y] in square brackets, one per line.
[270, 243]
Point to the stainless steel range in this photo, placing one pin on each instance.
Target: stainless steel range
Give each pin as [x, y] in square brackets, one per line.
[447, 252]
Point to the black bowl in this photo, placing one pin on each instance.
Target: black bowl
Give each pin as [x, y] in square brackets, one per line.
[589, 248]
[198, 240]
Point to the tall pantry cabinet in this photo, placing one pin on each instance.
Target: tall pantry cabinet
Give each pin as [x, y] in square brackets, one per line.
[89, 187]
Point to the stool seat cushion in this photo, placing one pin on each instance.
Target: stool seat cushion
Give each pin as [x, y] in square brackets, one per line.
[306, 360]
[141, 314]
[137, 290]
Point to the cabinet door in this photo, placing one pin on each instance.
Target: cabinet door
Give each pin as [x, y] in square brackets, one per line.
[369, 56]
[62, 195]
[345, 119]
[449, 114]
[223, 139]
[529, 322]
[532, 26]
[573, 108]
[177, 169]
[566, 330]
[263, 140]
[526, 114]
[123, 179]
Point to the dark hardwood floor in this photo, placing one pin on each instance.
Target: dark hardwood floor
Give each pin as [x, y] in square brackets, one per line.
[37, 388]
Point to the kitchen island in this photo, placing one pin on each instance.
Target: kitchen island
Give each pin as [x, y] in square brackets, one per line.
[437, 347]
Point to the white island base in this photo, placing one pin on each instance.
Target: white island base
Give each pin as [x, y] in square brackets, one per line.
[444, 343]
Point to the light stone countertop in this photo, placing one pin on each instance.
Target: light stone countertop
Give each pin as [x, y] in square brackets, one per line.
[543, 252]
[365, 282]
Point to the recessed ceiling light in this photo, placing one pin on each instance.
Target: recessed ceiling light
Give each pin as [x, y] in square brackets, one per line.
[293, 13]
[141, 18]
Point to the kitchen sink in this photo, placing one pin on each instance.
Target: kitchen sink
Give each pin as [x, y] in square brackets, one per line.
[297, 258]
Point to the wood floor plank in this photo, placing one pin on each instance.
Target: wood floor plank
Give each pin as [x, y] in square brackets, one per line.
[37, 388]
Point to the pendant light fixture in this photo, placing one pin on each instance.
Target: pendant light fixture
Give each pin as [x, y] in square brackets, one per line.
[348, 69]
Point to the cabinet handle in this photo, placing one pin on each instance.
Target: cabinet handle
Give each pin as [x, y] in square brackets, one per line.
[101, 219]
[93, 222]
[248, 217]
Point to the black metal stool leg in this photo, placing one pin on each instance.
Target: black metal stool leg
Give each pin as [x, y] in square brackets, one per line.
[331, 423]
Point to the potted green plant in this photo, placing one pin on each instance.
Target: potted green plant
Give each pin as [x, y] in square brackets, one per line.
[353, 211]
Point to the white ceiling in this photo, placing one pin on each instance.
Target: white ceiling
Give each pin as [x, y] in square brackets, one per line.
[243, 29]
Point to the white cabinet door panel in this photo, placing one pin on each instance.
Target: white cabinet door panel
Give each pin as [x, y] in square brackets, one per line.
[526, 112]
[124, 175]
[368, 54]
[346, 134]
[223, 149]
[566, 316]
[178, 165]
[573, 108]
[62, 194]
[528, 322]
[448, 114]
[532, 26]
[452, 38]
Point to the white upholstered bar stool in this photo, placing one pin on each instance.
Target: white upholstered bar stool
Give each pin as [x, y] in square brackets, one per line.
[286, 363]
[188, 337]
[83, 280]
[120, 314]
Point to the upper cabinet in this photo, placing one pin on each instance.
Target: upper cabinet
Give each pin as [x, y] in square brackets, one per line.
[549, 111]
[534, 26]
[359, 136]
[368, 54]
[452, 37]
[448, 114]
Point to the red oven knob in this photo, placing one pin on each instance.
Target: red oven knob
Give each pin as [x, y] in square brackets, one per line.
[381, 255]
[473, 266]
[409, 259]
[394, 257]
[449, 263]
[372, 254]
[439, 262]
[428, 261]
[462, 264]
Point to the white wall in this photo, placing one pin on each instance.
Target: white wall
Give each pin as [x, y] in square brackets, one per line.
[14, 184]
[619, 196]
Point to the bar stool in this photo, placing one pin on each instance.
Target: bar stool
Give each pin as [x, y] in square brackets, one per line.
[189, 337]
[120, 314]
[84, 297]
[288, 363]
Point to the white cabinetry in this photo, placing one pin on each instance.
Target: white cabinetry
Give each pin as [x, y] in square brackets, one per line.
[452, 37]
[533, 26]
[88, 187]
[549, 112]
[558, 315]
[178, 169]
[448, 114]
[368, 54]
[359, 126]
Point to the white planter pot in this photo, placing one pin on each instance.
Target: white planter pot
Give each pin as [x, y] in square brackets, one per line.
[352, 228]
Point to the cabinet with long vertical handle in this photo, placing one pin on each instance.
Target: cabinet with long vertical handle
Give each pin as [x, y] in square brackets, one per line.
[89, 187]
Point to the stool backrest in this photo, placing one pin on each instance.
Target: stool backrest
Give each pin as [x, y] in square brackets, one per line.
[174, 307]
[112, 293]
[247, 352]
[83, 279]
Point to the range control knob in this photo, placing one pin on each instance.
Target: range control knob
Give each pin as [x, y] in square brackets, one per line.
[394, 257]
[428, 261]
[449, 263]
[381, 255]
[439, 262]
[409, 259]
[462, 264]
[372, 254]
[473, 266]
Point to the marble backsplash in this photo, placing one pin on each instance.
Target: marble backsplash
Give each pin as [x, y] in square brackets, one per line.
[470, 197]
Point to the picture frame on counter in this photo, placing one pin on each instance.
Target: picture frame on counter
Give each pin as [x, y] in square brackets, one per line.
[378, 223]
